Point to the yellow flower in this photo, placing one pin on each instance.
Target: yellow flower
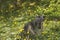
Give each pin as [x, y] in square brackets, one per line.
[56, 34]
[44, 32]
[32, 3]
[28, 32]
[28, 7]
[11, 6]
[19, 15]
[57, 37]
[30, 39]
[15, 23]
[44, 9]
[4, 24]
[34, 11]
[52, 33]
[37, 10]
[6, 10]
[49, 38]
[18, 10]
[18, 0]
[45, 24]
[2, 17]
[30, 20]
[1, 10]
[21, 30]
[24, 39]
[29, 10]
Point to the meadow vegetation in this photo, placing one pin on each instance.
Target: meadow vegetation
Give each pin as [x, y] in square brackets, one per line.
[14, 14]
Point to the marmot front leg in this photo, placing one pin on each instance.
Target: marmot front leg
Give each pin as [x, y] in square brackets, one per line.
[31, 30]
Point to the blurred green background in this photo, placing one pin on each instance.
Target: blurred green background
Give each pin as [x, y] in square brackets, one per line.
[15, 13]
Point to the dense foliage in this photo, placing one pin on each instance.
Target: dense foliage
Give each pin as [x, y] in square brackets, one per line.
[15, 13]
